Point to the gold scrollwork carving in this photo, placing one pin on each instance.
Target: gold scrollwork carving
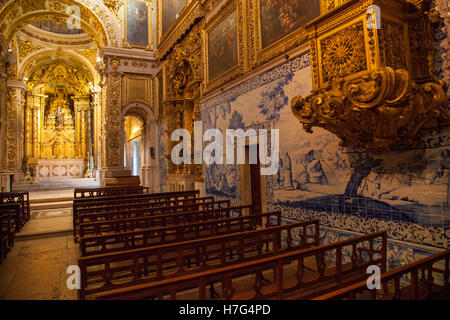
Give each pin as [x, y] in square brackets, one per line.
[373, 88]
[375, 112]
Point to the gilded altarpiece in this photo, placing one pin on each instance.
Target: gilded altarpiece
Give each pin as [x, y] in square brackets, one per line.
[183, 71]
[57, 122]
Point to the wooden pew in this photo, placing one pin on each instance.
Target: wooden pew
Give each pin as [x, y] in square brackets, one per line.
[140, 204]
[422, 279]
[103, 215]
[114, 270]
[93, 245]
[21, 198]
[110, 201]
[126, 220]
[15, 211]
[98, 224]
[140, 210]
[6, 231]
[108, 191]
[291, 277]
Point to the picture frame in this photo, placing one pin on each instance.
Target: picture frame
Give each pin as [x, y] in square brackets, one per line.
[232, 13]
[294, 36]
[132, 29]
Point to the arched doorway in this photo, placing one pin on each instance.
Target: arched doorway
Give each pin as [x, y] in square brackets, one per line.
[140, 144]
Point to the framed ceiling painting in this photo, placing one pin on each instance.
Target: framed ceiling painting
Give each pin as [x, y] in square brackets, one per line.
[138, 24]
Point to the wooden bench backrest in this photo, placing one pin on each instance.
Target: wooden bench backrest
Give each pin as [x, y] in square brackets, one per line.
[21, 198]
[256, 288]
[96, 223]
[84, 193]
[159, 195]
[148, 264]
[163, 235]
[414, 281]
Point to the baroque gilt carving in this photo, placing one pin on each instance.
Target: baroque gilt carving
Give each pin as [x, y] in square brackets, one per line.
[374, 88]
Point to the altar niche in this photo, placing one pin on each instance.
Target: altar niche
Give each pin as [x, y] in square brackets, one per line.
[58, 134]
[59, 129]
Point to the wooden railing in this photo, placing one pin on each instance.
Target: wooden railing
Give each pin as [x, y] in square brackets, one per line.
[115, 270]
[146, 237]
[108, 191]
[300, 274]
[418, 280]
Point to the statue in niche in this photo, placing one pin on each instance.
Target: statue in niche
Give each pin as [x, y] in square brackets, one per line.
[59, 134]
[59, 118]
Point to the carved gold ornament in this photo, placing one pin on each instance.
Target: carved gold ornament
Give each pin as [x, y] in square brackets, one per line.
[375, 112]
[373, 88]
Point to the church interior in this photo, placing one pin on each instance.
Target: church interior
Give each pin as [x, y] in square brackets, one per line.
[338, 109]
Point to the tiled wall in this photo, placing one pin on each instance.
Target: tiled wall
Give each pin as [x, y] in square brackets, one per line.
[405, 192]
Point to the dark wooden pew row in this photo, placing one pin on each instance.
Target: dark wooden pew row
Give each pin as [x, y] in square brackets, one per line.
[162, 196]
[120, 269]
[300, 274]
[149, 211]
[21, 198]
[126, 223]
[92, 245]
[98, 224]
[140, 210]
[108, 191]
[15, 212]
[423, 279]
[7, 228]
[109, 201]
[140, 204]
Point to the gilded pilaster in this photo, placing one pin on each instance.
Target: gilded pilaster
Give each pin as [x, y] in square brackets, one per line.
[15, 103]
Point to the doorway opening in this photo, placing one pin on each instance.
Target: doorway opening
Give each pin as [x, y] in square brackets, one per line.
[252, 185]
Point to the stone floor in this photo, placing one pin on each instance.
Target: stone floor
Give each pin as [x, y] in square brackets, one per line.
[36, 267]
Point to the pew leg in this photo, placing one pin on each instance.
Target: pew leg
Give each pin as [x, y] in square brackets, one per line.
[189, 262]
[264, 279]
[212, 291]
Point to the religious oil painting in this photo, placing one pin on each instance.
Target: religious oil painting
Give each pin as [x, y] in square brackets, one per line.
[170, 12]
[222, 46]
[137, 23]
[281, 17]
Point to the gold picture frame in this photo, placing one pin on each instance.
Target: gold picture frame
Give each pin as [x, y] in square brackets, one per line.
[159, 32]
[288, 42]
[126, 43]
[232, 7]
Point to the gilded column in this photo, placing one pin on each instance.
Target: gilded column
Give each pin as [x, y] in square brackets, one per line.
[82, 105]
[15, 103]
[28, 126]
[35, 121]
[83, 133]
